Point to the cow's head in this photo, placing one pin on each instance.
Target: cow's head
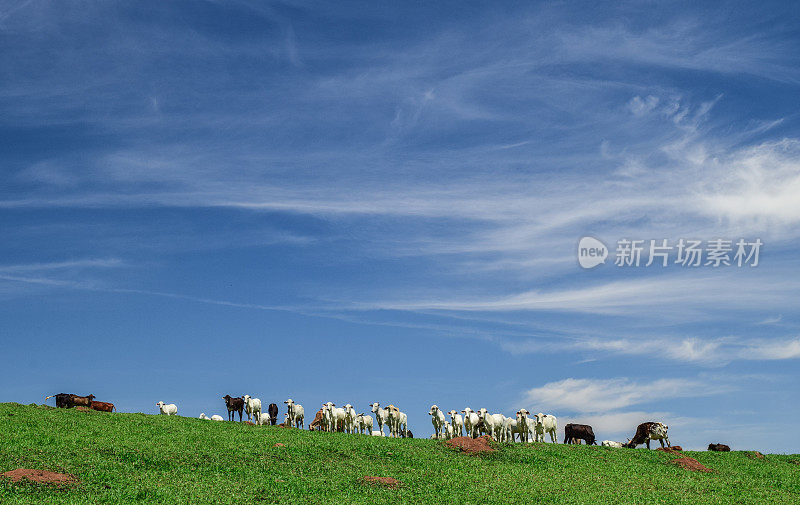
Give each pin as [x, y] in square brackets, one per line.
[434, 410]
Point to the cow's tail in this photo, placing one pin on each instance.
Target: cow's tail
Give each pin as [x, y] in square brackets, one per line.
[48, 397]
[113, 408]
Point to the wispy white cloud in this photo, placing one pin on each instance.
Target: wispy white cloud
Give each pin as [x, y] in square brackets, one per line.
[601, 395]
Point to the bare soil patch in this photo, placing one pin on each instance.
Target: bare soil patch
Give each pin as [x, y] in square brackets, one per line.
[382, 481]
[755, 454]
[279, 445]
[691, 464]
[471, 445]
[83, 409]
[670, 450]
[40, 476]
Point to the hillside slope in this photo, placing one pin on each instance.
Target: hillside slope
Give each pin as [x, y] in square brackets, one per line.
[122, 458]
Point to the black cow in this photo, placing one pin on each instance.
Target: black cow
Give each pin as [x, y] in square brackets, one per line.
[575, 432]
[272, 410]
[63, 400]
[234, 405]
[718, 448]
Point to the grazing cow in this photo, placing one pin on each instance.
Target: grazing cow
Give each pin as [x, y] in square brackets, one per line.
[611, 443]
[574, 432]
[167, 409]
[318, 423]
[296, 413]
[718, 448]
[252, 406]
[234, 405]
[272, 410]
[545, 423]
[381, 415]
[437, 418]
[648, 431]
[103, 406]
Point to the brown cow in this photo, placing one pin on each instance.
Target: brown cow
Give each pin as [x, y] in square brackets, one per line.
[234, 405]
[103, 406]
[83, 401]
[718, 448]
[318, 422]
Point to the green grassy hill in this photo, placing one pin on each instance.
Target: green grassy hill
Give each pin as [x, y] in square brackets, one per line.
[147, 458]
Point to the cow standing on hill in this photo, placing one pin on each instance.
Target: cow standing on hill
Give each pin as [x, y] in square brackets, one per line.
[574, 433]
[718, 448]
[234, 405]
[648, 431]
[63, 400]
[272, 410]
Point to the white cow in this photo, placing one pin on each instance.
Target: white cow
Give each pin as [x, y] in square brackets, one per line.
[333, 415]
[204, 416]
[167, 409]
[252, 406]
[510, 427]
[263, 419]
[447, 430]
[493, 423]
[296, 413]
[364, 423]
[545, 423]
[458, 423]
[398, 422]
[524, 424]
[437, 418]
[381, 415]
[349, 419]
[217, 417]
[377, 433]
[471, 420]
[611, 443]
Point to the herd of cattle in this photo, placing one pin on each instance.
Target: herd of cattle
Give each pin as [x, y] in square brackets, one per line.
[524, 427]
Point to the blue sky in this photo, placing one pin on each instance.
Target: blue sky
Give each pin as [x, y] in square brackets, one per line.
[357, 202]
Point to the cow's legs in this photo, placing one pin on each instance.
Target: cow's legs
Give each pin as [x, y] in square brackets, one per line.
[647, 443]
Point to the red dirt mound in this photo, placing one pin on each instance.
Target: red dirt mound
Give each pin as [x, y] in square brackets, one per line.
[670, 450]
[382, 481]
[279, 445]
[249, 423]
[756, 454]
[470, 445]
[691, 464]
[41, 476]
[677, 448]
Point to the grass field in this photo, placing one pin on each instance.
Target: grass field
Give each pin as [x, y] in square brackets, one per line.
[123, 458]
